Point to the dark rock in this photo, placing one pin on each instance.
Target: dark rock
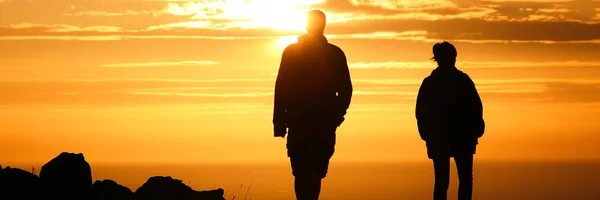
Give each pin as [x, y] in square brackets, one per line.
[67, 177]
[111, 190]
[18, 184]
[165, 187]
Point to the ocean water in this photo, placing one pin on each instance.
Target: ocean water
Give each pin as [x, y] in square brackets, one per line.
[349, 181]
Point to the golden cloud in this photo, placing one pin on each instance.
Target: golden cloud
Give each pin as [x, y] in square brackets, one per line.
[161, 64]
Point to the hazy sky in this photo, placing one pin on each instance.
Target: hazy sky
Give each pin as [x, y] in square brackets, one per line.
[192, 81]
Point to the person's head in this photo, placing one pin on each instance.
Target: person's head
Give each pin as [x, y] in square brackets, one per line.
[444, 54]
[315, 22]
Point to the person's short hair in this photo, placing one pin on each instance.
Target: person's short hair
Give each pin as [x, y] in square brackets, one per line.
[317, 16]
[444, 51]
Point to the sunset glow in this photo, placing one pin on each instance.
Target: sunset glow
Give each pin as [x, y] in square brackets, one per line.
[176, 81]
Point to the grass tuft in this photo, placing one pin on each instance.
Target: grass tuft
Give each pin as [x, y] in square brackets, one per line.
[239, 193]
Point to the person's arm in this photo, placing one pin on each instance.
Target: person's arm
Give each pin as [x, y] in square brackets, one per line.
[476, 107]
[280, 99]
[344, 88]
[422, 110]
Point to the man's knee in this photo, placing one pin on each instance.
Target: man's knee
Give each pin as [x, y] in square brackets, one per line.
[308, 178]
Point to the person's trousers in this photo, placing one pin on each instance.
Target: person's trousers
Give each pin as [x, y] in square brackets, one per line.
[464, 166]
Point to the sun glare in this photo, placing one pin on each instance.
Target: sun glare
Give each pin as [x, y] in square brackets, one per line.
[289, 15]
[283, 42]
[294, 20]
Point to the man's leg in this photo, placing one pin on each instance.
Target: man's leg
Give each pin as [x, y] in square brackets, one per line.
[307, 185]
[298, 188]
[321, 166]
[311, 163]
[464, 166]
[301, 180]
[316, 191]
[441, 168]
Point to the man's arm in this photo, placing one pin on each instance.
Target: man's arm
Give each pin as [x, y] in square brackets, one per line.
[280, 99]
[344, 88]
[421, 111]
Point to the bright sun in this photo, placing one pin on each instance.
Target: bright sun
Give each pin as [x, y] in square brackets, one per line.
[280, 15]
[287, 15]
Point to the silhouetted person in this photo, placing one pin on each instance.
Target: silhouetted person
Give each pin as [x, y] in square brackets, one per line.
[449, 116]
[312, 93]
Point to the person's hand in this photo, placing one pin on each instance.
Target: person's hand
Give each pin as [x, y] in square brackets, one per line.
[280, 131]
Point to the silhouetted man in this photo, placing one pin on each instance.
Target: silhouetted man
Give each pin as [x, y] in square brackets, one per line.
[312, 93]
[450, 119]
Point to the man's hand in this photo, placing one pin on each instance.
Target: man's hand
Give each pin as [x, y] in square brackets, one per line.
[280, 130]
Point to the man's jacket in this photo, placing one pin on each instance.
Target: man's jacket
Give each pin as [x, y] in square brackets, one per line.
[313, 84]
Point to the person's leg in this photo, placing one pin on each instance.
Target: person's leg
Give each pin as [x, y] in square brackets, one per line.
[297, 152]
[313, 187]
[319, 173]
[307, 185]
[464, 166]
[316, 191]
[441, 168]
[301, 178]
[298, 188]
[322, 149]
[312, 162]
[302, 188]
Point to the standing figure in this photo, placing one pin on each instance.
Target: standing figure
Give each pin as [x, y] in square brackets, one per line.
[312, 93]
[449, 116]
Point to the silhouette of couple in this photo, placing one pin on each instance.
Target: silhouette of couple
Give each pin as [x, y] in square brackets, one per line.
[313, 91]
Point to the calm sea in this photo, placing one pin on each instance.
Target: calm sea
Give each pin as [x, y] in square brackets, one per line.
[348, 181]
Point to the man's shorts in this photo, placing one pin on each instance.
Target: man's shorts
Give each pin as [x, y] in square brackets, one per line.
[310, 149]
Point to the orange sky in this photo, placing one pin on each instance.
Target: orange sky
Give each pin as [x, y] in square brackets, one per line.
[192, 81]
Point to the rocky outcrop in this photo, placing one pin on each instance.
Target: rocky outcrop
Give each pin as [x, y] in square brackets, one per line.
[111, 190]
[18, 184]
[165, 187]
[69, 177]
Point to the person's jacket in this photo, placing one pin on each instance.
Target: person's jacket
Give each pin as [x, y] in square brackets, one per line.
[449, 111]
[313, 84]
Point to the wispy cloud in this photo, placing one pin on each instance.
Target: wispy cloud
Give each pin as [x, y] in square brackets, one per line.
[408, 29]
[201, 94]
[546, 34]
[538, 1]
[190, 92]
[471, 64]
[161, 64]
[102, 13]
[57, 28]
[407, 35]
[554, 10]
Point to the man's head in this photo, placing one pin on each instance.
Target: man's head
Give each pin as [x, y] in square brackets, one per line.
[444, 54]
[315, 22]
